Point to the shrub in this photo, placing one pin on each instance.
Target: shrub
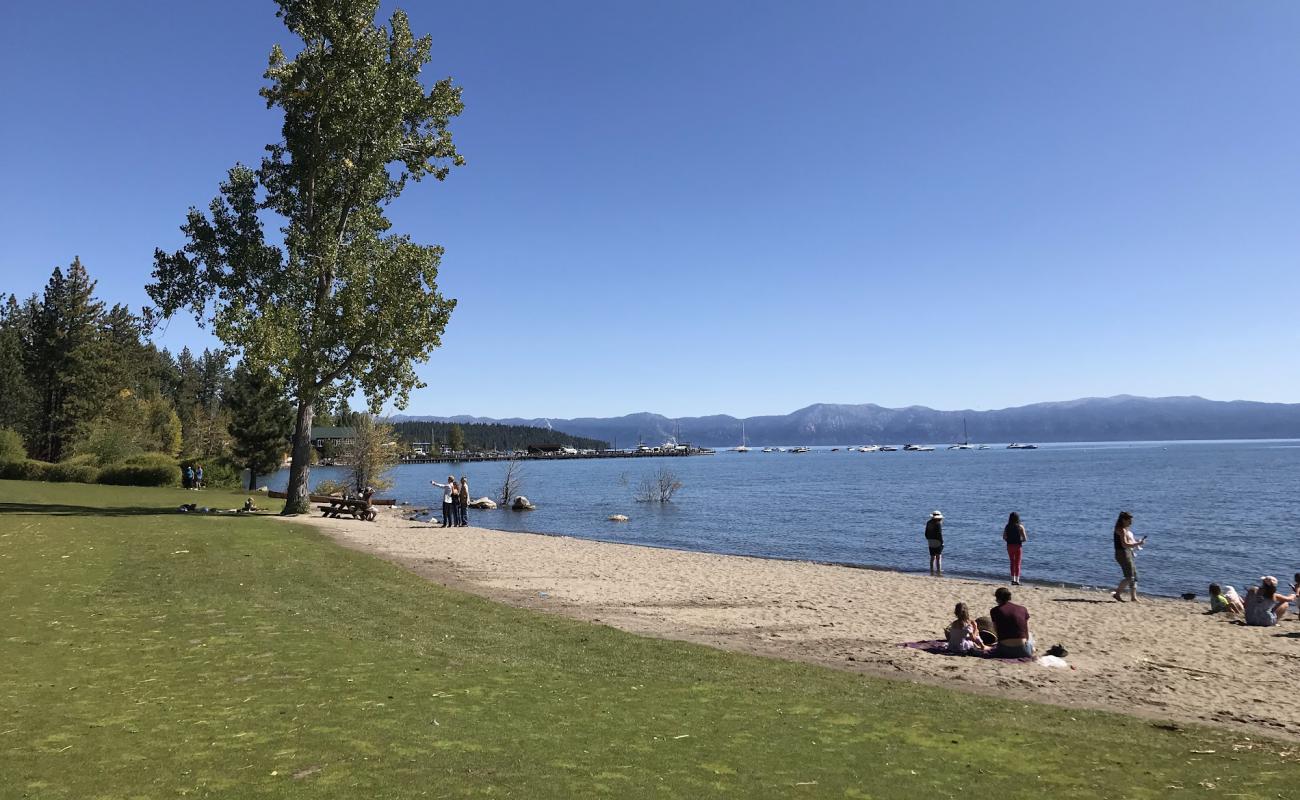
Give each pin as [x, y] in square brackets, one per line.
[26, 470]
[74, 470]
[221, 474]
[11, 446]
[146, 469]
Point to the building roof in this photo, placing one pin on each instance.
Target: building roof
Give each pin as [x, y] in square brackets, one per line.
[332, 432]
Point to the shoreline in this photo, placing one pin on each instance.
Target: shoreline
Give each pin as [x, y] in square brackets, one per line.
[1159, 658]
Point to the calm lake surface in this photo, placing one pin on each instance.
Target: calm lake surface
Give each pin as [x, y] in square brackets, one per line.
[1224, 511]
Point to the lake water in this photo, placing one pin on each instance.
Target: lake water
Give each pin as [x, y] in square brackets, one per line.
[1224, 511]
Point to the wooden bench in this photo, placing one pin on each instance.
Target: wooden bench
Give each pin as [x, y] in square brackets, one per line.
[338, 507]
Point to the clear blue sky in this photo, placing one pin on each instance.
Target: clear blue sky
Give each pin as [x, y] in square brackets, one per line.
[740, 207]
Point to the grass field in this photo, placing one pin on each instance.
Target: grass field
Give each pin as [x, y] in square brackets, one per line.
[147, 653]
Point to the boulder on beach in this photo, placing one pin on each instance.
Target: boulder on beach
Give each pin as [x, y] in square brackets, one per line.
[521, 504]
[483, 502]
[618, 517]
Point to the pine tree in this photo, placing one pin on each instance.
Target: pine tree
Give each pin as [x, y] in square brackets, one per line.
[62, 363]
[261, 420]
[15, 390]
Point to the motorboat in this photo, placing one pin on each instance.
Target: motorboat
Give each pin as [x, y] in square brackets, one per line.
[982, 447]
[798, 450]
[917, 448]
[1018, 446]
[870, 448]
[769, 449]
[884, 448]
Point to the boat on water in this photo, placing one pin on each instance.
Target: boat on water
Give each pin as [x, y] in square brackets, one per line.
[1019, 446]
[769, 449]
[884, 448]
[982, 447]
[965, 439]
[797, 450]
[917, 448]
[743, 448]
[869, 448]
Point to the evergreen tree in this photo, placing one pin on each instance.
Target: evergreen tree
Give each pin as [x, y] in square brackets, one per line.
[261, 420]
[15, 390]
[456, 438]
[62, 364]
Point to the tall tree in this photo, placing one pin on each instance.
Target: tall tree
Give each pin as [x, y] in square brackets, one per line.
[15, 390]
[456, 438]
[342, 304]
[260, 420]
[62, 362]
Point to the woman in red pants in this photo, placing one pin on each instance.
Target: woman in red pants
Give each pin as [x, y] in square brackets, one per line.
[1014, 535]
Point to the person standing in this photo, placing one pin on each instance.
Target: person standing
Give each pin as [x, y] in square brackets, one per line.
[934, 540]
[1125, 548]
[1011, 624]
[198, 476]
[448, 498]
[463, 506]
[1014, 535]
[187, 477]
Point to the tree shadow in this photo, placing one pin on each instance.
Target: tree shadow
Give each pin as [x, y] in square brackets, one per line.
[64, 510]
[1081, 600]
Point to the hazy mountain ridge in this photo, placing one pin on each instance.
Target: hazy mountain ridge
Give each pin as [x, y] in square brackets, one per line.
[1119, 418]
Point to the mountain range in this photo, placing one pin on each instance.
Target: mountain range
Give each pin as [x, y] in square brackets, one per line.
[1093, 419]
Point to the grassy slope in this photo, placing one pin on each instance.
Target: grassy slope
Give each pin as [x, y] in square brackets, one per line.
[147, 653]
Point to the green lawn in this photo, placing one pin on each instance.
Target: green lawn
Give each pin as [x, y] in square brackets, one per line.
[147, 653]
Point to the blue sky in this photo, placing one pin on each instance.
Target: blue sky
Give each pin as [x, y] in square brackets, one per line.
[740, 207]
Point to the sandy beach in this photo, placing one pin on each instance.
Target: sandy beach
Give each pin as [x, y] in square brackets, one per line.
[1159, 658]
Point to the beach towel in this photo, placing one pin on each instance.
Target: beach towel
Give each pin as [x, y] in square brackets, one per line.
[939, 647]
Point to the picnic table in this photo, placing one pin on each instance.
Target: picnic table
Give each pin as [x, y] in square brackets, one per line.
[337, 507]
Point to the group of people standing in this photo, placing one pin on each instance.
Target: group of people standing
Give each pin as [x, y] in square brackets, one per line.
[1013, 534]
[455, 501]
[192, 476]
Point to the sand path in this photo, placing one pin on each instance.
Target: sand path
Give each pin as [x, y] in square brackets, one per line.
[1160, 658]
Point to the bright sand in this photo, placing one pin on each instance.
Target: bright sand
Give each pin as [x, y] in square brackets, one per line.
[1161, 658]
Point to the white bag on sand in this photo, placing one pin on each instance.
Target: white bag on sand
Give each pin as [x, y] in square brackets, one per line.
[1053, 661]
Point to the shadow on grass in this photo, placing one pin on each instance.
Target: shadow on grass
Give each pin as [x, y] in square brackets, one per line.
[63, 510]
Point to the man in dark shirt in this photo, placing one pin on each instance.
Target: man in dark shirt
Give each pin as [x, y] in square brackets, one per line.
[1011, 623]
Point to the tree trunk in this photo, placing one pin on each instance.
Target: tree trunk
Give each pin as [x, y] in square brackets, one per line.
[252, 480]
[300, 466]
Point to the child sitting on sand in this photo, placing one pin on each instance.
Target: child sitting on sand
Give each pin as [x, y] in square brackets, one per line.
[962, 633]
[1221, 601]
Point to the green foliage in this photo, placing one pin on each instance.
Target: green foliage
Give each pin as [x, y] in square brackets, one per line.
[148, 469]
[456, 438]
[26, 470]
[221, 474]
[343, 304]
[261, 420]
[11, 446]
[347, 662]
[17, 400]
[480, 436]
[74, 470]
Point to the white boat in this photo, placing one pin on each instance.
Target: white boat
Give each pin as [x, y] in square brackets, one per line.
[743, 448]
[1018, 446]
[769, 449]
[917, 448]
[798, 450]
[884, 448]
[965, 439]
[869, 448]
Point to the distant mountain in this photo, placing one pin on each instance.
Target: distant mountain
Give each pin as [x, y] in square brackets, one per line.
[1093, 419]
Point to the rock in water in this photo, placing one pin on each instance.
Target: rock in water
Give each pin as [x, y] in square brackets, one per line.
[521, 504]
[618, 517]
[483, 502]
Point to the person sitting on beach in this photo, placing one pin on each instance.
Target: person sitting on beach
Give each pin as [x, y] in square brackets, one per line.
[1264, 605]
[1011, 624]
[962, 633]
[1221, 601]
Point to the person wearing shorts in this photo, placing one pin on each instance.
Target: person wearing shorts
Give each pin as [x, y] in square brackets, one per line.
[934, 540]
[1125, 546]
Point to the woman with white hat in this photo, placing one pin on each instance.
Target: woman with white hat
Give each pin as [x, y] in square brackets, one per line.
[934, 538]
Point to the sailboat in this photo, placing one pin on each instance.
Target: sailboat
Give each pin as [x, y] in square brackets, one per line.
[742, 448]
[965, 438]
